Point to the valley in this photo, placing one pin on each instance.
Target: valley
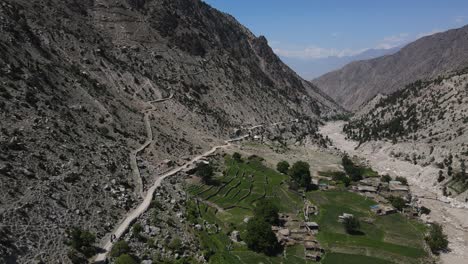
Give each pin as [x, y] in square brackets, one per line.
[451, 213]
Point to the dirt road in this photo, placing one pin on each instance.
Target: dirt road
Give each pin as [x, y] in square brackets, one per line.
[453, 215]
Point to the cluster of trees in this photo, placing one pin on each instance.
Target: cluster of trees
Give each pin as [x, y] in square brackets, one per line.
[397, 202]
[351, 169]
[299, 173]
[121, 252]
[260, 238]
[436, 239]
[206, 172]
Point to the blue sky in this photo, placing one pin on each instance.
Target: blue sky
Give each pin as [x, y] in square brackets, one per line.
[311, 29]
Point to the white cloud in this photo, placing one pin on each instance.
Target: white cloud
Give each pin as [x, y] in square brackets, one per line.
[335, 34]
[460, 19]
[393, 41]
[314, 52]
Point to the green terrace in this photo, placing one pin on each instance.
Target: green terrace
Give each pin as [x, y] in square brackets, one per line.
[382, 239]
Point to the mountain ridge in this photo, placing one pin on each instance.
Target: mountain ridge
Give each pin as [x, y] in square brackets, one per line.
[425, 58]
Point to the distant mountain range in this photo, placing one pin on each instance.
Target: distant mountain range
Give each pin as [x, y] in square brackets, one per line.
[425, 58]
[310, 69]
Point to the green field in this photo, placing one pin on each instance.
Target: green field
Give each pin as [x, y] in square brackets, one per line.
[393, 238]
[389, 239]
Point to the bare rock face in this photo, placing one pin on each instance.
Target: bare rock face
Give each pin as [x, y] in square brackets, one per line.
[426, 58]
[76, 79]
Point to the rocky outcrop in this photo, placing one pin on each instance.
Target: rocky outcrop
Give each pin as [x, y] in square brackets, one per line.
[426, 58]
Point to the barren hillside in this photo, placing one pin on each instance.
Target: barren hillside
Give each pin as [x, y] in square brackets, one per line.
[426, 58]
[79, 84]
[427, 123]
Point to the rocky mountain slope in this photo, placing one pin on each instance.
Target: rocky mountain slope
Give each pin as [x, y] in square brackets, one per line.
[427, 123]
[79, 89]
[426, 58]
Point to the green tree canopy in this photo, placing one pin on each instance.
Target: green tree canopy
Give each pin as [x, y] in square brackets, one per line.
[385, 178]
[237, 157]
[268, 211]
[82, 241]
[351, 169]
[120, 247]
[283, 166]
[397, 202]
[260, 238]
[401, 179]
[125, 259]
[436, 239]
[205, 172]
[300, 173]
[351, 225]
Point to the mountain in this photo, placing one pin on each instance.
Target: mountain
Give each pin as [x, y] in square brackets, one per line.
[427, 124]
[92, 91]
[425, 58]
[313, 68]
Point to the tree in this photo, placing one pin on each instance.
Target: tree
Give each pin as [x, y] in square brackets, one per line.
[120, 247]
[267, 211]
[300, 173]
[205, 172]
[125, 259]
[436, 239]
[397, 202]
[425, 210]
[82, 241]
[441, 176]
[351, 225]
[283, 166]
[237, 157]
[403, 180]
[352, 170]
[385, 178]
[260, 238]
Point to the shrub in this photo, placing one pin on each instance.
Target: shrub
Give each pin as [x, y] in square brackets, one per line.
[436, 239]
[237, 157]
[403, 180]
[425, 210]
[120, 247]
[175, 244]
[82, 241]
[283, 166]
[125, 259]
[341, 177]
[385, 178]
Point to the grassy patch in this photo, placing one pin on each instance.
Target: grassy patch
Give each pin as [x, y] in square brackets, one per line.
[391, 237]
[340, 258]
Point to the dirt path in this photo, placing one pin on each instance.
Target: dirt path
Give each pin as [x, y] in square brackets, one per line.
[133, 215]
[149, 139]
[453, 215]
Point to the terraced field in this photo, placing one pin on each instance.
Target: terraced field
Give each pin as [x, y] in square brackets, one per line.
[388, 239]
[237, 191]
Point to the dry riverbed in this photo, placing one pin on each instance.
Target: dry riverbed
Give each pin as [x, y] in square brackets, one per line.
[452, 214]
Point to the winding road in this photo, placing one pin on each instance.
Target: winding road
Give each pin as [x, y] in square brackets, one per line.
[134, 214]
[149, 138]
